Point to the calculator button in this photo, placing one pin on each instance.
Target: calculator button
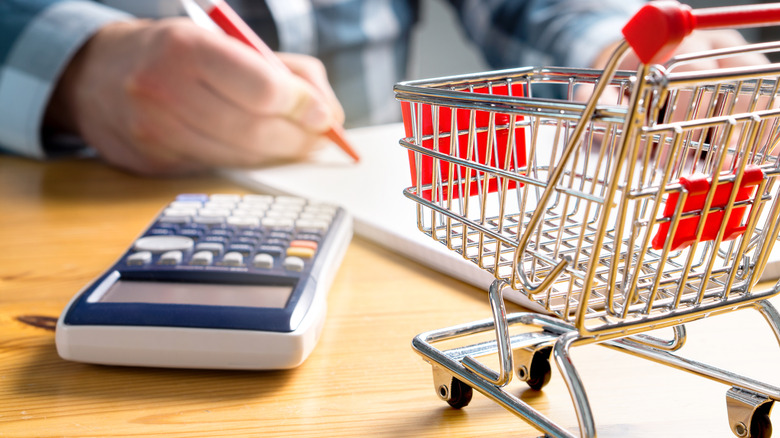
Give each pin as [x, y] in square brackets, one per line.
[290, 200]
[203, 258]
[233, 259]
[170, 258]
[310, 244]
[316, 216]
[249, 213]
[304, 253]
[192, 197]
[216, 239]
[309, 236]
[229, 206]
[139, 258]
[171, 226]
[275, 242]
[282, 214]
[277, 222]
[214, 212]
[160, 231]
[321, 208]
[209, 220]
[258, 199]
[281, 235]
[163, 243]
[191, 232]
[249, 205]
[270, 249]
[224, 232]
[263, 261]
[241, 247]
[293, 264]
[251, 233]
[289, 208]
[185, 204]
[180, 211]
[225, 197]
[247, 240]
[311, 225]
[183, 219]
[213, 247]
[244, 221]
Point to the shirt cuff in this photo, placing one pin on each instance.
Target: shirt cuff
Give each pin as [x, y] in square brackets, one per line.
[35, 63]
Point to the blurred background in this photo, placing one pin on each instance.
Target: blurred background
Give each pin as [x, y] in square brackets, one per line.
[440, 28]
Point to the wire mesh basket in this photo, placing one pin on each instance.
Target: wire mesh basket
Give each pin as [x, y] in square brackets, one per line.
[649, 204]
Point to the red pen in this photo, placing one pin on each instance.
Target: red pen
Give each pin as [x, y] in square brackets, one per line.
[228, 20]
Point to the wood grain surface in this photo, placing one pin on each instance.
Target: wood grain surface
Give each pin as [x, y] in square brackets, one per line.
[62, 223]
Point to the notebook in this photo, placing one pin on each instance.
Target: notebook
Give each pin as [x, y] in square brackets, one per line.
[372, 191]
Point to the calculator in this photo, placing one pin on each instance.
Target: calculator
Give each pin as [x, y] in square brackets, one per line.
[216, 281]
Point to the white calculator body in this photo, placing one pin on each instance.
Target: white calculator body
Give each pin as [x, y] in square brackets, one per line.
[220, 281]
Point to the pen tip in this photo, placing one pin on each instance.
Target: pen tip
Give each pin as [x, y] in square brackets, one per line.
[337, 135]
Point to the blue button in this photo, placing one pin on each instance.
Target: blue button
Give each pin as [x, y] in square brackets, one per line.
[275, 242]
[280, 235]
[201, 197]
[225, 232]
[270, 249]
[241, 247]
[218, 239]
[191, 232]
[247, 240]
[309, 236]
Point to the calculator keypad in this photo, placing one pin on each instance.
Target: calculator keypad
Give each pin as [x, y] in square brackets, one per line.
[250, 231]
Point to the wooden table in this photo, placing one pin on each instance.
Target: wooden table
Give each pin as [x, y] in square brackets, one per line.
[63, 223]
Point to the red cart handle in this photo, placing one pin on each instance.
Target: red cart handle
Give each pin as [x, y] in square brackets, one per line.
[660, 26]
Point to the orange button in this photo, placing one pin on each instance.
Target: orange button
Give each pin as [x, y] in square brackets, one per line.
[304, 244]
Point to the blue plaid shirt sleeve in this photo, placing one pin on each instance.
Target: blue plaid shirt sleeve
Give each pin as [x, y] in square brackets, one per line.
[563, 33]
[37, 39]
[364, 44]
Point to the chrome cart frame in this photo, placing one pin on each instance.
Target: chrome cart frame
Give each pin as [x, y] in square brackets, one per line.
[649, 205]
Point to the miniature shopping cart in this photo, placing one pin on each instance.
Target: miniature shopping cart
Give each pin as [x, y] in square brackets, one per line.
[652, 204]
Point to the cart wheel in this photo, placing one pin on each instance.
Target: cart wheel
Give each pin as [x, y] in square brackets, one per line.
[540, 371]
[760, 425]
[460, 394]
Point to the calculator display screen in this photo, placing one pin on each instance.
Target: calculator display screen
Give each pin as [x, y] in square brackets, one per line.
[153, 292]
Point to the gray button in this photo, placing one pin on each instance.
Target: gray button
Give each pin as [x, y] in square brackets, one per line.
[157, 244]
[293, 264]
[263, 261]
[170, 258]
[213, 247]
[243, 221]
[203, 258]
[209, 220]
[233, 259]
[139, 258]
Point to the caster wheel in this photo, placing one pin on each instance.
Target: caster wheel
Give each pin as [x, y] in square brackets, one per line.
[540, 370]
[760, 425]
[460, 394]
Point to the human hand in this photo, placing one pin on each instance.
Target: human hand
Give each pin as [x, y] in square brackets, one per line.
[167, 97]
[700, 103]
[698, 41]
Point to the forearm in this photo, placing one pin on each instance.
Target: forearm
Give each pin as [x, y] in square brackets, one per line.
[38, 38]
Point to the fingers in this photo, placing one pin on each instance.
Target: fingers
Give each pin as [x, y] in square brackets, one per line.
[244, 78]
[160, 143]
[732, 38]
[313, 71]
[157, 98]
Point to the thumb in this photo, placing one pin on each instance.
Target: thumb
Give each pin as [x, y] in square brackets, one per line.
[300, 102]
